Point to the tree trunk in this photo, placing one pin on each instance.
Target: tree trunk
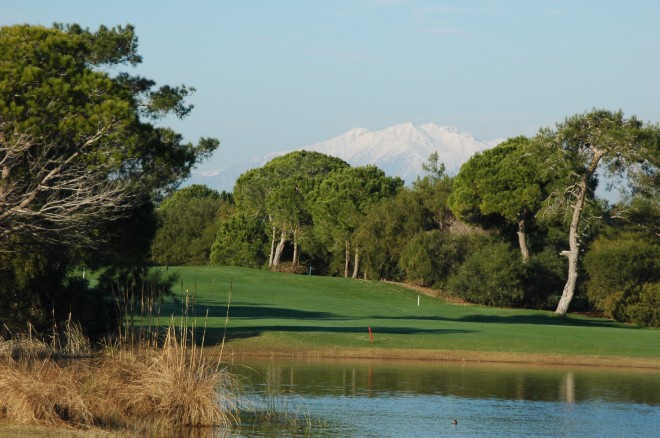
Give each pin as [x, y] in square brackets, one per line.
[272, 249]
[573, 245]
[295, 247]
[348, 258]
[356, 267]
[279, 249]
[569, 288]
[522, 240]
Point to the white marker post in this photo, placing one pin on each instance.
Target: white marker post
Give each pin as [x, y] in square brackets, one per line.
[418, 300]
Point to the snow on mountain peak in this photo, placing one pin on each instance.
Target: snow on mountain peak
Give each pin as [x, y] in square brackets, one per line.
[399, 150]
[356, 132]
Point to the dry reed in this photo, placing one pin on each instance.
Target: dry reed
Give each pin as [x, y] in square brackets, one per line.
[43, 392]
[24, 345]
[171, 386]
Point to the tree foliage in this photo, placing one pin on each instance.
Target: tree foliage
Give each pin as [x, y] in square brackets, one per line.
[188, 223]
[431, 258]
[341, 200]
[623, 269]
[504, 185]
[384, 231]
[74, 149]
[389, 227]
[241, 241]
[433, 192]
[79, 154]
[492, 275]
[277, 194]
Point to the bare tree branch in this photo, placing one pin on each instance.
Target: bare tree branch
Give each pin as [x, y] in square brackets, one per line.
[57, 193]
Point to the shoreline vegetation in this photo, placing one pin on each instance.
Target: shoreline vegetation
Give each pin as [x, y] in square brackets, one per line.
[140, 387]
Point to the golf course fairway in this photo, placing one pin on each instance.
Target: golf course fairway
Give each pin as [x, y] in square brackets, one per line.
[258, 312]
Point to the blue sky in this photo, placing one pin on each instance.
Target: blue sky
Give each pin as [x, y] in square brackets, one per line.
[277, 75]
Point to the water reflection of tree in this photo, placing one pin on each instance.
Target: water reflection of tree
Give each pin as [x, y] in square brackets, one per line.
[568, 387]
[460, 380]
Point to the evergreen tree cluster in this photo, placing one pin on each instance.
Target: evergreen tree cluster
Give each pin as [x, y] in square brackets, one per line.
[498, 233]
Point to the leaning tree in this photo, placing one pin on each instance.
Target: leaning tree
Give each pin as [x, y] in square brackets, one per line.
[625, 148]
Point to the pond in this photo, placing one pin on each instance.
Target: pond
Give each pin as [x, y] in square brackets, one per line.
[420, 399]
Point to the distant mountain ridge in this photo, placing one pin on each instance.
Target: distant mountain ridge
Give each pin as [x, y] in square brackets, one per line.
[399, 150]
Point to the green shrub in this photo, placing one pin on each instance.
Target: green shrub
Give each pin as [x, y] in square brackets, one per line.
[492, 275]
[241, 241]
[430, 258]
[643, 307]
[544, 278]
[624, 271]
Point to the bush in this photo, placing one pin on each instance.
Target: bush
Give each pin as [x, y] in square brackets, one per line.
[643, 307]
[623, 271]
[431, 257]
[493, 275]
[544, 278]
[241, 241]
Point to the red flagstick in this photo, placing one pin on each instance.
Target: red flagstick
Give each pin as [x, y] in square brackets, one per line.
[371, 335]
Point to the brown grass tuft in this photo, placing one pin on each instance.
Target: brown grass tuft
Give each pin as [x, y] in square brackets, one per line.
[141, 388]
[24, 345]
[43, 393]
[172, 385]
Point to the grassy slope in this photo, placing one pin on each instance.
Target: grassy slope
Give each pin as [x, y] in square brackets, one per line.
[296, 313]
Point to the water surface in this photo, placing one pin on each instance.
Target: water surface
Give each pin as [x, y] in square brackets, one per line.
[420, 399]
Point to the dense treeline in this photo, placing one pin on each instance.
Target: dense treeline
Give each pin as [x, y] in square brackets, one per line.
[188, 222]
[498, 233]
[301, 211]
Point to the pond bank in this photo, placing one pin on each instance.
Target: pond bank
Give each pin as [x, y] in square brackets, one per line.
[246, 350]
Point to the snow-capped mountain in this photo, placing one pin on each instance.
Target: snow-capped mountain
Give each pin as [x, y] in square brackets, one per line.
[399, 151]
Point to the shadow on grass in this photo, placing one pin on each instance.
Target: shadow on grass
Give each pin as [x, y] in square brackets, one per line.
[517, 319]
[255, 312]
[214, 335]
[248, 311]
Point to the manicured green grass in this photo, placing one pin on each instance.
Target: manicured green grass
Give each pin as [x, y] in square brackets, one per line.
[306, 312]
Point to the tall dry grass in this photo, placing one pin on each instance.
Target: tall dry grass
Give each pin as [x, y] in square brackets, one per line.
[173, 384]
[170, 386]
[24, 345]
[43, 392]
[69, 340]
